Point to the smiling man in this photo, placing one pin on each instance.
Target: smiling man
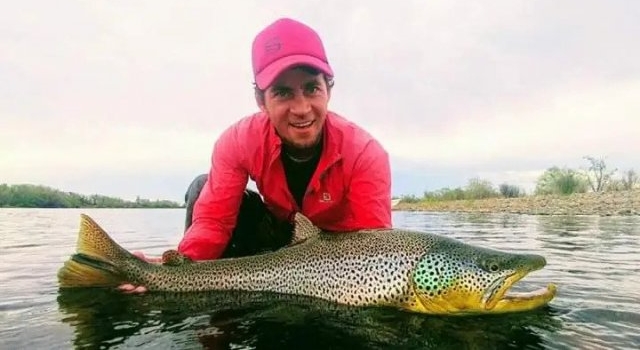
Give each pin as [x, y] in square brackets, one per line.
[302, 157]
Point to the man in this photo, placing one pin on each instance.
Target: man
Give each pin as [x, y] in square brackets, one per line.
[302, 157]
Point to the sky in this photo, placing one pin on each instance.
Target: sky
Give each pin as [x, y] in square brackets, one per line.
[126, 98]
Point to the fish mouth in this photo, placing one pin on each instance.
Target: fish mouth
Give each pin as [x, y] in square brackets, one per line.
[498, 297]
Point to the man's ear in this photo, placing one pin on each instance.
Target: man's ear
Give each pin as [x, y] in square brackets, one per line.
[259, 97]
[328, 82]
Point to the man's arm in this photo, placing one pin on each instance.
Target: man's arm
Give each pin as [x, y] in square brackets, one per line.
[216, 210]
[370, 188]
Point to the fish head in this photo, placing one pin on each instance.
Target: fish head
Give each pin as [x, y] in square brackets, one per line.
[456, 278]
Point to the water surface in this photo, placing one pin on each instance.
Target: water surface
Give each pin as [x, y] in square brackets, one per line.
[595, 261]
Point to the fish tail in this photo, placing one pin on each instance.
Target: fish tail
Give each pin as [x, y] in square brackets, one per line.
[96, 261]
[85, 271]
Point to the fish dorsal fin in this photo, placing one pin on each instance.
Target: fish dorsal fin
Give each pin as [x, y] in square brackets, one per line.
[303, 229]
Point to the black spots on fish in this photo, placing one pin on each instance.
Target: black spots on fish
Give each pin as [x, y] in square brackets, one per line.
[365, 269]
[435, 274]
[191, 284]
[477, 277]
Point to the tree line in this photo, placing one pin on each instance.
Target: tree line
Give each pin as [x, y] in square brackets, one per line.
[596, 177]
[39, 196]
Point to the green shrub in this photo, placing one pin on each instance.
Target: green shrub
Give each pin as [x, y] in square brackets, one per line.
[510, 191]
[480, 189]
[561, 181]
[409, 199]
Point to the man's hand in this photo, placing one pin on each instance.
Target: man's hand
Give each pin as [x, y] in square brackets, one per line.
[130, 288]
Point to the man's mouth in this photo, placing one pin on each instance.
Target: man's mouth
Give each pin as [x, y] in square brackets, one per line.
[302, 125]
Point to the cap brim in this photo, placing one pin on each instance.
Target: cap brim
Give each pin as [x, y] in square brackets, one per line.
[271, 72]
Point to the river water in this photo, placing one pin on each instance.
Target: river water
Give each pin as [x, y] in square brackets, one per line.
[595, 261]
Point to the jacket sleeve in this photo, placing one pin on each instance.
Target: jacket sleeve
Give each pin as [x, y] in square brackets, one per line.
[369, 193]
[216, 210]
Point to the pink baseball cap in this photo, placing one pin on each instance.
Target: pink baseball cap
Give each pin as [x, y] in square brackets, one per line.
[283, 44]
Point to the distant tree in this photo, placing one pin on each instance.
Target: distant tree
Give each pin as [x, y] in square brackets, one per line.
[615, 185]
[37, 196]
[597, 174]
[480, 189]
[445, 194]
[629, 180]
[409, 198]
[561, 181]
[509, 191]
[4, 195]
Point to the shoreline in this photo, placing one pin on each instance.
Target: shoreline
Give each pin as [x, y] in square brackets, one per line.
[615, 203]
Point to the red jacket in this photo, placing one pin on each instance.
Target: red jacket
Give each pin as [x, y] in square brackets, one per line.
[350, 189]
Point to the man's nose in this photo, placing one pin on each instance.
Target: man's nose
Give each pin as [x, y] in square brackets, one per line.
[300, 105]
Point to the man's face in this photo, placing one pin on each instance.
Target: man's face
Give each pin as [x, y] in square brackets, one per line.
[297, 105]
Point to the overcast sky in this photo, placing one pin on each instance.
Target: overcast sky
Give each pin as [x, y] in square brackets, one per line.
[126, 98]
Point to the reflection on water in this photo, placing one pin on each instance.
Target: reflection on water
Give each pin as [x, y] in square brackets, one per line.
[595, 262]
[227, 320]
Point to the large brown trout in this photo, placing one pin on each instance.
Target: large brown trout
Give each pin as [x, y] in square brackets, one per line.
[410, 270]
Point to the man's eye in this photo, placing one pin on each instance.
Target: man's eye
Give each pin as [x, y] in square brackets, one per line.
[281, 93]
[312, 89]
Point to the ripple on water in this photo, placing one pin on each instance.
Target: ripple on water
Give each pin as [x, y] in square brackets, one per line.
[594, 262]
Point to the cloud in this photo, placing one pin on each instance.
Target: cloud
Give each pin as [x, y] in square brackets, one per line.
[117, 97]
[560, 124]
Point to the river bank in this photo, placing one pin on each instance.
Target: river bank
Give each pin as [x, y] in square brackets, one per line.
[603, 204]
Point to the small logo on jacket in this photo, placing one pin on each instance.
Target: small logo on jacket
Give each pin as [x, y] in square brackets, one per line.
[326, 197]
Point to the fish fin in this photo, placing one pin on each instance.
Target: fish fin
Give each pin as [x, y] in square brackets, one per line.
[303, 229]
[94, 263]
[85, 271]
[174, 258]
[94, 241]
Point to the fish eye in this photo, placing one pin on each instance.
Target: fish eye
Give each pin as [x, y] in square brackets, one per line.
[490, 266]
